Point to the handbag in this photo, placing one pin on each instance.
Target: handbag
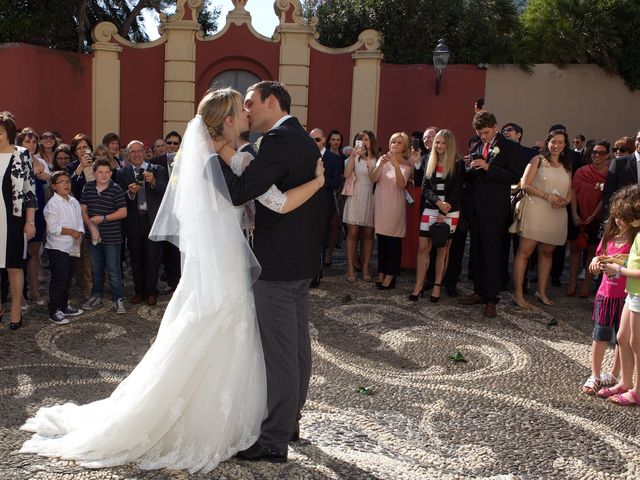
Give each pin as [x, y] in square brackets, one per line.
[347, 188]
[518, 214]
[517, 194]
[439, 233]
[582, 240]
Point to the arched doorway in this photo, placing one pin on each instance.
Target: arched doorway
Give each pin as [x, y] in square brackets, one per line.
[239, 80]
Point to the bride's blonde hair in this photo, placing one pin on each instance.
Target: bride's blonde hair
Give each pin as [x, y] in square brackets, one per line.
[217, 105]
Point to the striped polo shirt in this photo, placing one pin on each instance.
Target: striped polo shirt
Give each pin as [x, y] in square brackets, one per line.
[104, 203]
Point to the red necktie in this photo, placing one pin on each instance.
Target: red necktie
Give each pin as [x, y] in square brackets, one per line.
[485, 151]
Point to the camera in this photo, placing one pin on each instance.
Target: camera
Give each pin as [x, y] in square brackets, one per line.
[140, 177]
[415, 144]
[475, 156]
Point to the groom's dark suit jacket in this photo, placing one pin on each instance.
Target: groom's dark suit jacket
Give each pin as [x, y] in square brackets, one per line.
[287, 246]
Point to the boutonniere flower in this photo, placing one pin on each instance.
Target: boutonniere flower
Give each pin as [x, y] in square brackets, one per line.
[495, 151]
[256, 144]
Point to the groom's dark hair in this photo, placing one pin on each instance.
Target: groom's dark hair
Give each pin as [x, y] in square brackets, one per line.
[270, 87]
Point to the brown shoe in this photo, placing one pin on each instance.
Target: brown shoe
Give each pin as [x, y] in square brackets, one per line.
[137, 298]
[473, 299]
[152, 300]
[490, 310]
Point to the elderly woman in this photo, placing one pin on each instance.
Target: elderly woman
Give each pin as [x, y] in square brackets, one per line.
[28, 139]
[17, 212]
[390, 174]
[547, 184]
[441, 201]
[586, 204]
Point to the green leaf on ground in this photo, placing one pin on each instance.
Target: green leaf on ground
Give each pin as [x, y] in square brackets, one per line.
[457, 357]
[366, 390]
[346, 299]
[552, 323]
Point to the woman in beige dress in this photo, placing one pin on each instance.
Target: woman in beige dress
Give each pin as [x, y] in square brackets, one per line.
[547, 184]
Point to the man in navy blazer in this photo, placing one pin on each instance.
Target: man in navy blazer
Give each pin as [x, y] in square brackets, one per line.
[623, 171]
[288, 249]
[144, 185]
[333, 167]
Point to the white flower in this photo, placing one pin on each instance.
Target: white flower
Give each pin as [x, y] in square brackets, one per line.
[495, 151]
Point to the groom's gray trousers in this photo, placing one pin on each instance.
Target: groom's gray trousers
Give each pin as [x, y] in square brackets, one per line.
[283, 318]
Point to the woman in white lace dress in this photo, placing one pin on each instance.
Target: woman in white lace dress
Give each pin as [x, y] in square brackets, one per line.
[198, 395]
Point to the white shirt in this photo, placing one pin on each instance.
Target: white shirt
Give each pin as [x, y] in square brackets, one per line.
[281, 121]
[60, 213]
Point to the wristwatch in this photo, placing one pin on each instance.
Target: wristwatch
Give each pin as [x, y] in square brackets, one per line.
[105, 219]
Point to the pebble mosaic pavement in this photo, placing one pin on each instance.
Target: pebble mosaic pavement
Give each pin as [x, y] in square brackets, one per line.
[513, 410]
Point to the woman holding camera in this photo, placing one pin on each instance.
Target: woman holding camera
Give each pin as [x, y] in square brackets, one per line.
[440, 205]
[358, 209]
[547, 184]
[391, 175]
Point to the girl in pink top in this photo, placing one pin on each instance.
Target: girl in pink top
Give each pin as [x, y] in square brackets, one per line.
[616, 242]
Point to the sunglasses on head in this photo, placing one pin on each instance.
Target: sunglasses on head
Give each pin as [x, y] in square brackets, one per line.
[508, 129]
[619, 149]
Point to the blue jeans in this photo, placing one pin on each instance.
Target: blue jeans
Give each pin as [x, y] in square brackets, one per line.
[106, 256]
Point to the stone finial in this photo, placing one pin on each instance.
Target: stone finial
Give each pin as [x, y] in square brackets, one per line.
[239, 4]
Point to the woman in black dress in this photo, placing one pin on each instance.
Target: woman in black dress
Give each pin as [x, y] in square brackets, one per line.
[17, 212]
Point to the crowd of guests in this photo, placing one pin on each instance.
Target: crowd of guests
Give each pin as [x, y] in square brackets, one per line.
[85, 210]
[64, 201]
[510, 199]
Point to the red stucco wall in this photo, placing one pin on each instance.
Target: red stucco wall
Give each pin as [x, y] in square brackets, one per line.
[46, 89]
[141, 94]
[237, 49]
[408, 101]
[330, 84]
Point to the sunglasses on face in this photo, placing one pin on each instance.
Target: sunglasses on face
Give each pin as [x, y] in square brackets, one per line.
[48, 137]
[619, 149]
[317, 139]
[172, 143]
[599, 152]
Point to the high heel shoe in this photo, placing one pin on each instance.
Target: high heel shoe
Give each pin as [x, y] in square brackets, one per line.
[420, 294]
[433, 298]
[391, 286]
[15, 325]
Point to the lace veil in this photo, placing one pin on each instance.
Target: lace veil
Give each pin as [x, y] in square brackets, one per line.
[197, 215]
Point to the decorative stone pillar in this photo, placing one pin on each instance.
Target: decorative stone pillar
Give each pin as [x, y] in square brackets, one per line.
[295, 35]
[180, 64]
[366, 83]
[105, 92]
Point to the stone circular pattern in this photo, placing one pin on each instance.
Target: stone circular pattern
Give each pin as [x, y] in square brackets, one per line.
[513, 411]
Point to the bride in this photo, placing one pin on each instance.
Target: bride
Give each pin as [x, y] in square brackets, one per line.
[198, 395]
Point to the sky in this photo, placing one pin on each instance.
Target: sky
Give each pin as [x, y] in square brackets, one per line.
[263, 18]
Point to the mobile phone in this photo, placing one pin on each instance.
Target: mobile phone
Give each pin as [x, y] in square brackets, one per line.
[415, 144]
[358, 143]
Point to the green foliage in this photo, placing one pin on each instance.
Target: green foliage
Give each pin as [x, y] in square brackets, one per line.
[602, 32]
[476, 31]
[67, 24]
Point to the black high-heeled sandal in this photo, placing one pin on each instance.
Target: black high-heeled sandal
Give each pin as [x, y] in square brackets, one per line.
[15, 325]
[435, 299]
[391, 286]
[414, 298]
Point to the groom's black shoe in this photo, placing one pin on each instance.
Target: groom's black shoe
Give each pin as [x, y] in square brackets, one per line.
[258, 452]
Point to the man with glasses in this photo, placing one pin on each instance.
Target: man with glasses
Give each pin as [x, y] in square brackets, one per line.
[173, 140]
[144, 185]
[333, 166]
[623, 171]
[579, 143]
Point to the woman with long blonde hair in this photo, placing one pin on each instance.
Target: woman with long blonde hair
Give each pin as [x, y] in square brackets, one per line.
[440, 203]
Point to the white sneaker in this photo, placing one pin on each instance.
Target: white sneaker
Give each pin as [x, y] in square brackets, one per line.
[71, 311]
[94, 302]
[58, 318]
[118, 306]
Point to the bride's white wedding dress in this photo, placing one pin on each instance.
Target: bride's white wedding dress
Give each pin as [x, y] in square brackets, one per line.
[198, 395]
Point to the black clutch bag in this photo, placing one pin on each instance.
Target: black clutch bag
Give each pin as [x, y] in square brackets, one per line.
[439, 233]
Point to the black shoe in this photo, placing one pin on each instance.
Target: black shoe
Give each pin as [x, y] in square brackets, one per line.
[315, 283]
[391, 286]
[432, 298]
[258, 452]
[15, 325]
[414, 298]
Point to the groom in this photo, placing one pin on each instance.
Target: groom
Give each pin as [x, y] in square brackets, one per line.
[287, 247]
